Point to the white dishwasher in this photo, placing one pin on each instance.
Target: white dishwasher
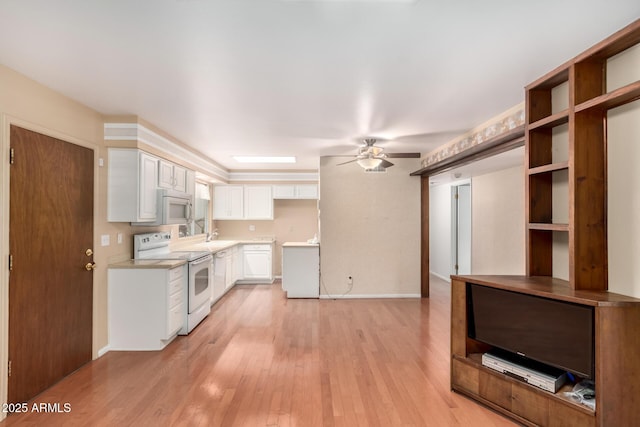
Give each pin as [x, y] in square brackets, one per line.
[219, 275]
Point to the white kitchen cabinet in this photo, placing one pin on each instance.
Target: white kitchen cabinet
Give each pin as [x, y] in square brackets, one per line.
[229, 279]
[243, 202]
[132, 186]
[146, 306]
[172, 176]
[258, 202]
[191, 184]
[301, 270]
[237, 263]
[307, 191]
[219, 276]
[257, 263]
[295, 191]
[228, 202]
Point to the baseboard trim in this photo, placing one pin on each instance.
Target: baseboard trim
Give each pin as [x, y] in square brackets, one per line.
[104, 350]
[369, 296]
[446, 279]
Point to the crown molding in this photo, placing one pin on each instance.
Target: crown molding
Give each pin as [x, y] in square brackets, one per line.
[140, 133]
[273, 176]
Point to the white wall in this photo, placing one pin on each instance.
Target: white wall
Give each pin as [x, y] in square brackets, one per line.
[623, 197]
[369, 229]
[497, 222]
[440, 230]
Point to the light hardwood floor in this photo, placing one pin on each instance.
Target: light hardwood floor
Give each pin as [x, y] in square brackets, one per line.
[262, 360]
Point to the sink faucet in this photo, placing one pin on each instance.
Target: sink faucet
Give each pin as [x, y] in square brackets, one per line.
[212, 236]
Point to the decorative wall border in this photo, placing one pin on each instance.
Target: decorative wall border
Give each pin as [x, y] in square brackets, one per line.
[502, 124]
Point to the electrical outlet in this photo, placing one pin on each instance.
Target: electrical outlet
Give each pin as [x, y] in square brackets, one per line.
[252, 227]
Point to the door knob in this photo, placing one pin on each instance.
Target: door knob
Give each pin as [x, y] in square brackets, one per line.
[90, 266]
[88, 252]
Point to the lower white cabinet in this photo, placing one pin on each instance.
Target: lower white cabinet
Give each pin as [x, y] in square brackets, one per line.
[146, 306]
[257, 263]
[236, 254]
[228, 278]
[301, 270]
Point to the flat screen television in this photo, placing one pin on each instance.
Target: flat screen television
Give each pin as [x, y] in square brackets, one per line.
[556, 333]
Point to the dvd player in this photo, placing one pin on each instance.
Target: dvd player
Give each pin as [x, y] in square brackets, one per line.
[529, 371]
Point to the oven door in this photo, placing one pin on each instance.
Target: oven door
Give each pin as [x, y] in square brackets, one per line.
[200, 275]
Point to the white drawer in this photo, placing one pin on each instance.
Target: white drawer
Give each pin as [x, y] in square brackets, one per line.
[174, 273]
[174, 321]
[175, 299]
[175, 286]
[265, 248]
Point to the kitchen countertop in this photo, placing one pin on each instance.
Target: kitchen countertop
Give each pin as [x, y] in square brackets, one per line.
[149, 263]
[214, 246]
[299, 244]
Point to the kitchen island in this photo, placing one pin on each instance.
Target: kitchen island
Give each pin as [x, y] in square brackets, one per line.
[301, 269]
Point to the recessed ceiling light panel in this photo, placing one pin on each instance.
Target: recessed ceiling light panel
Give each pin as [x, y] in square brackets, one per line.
[351, 1]
[264, 159]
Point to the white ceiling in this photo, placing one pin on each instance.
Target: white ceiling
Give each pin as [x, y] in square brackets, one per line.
[303, 78]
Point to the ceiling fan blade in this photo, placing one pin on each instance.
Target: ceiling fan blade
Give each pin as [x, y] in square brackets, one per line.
[404, 155]
[350, 161]
[386, 164]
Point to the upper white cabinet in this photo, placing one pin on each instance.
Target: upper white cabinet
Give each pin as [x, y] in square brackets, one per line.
[132, 186]
[295, 191]
[258, 202]
[191, 184]
[172, 176]
[228, 202]
[242, 202]
[133, 182]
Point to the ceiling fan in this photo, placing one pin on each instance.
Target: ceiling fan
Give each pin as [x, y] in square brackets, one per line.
[371, 157]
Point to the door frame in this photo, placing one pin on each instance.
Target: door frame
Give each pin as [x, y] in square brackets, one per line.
[6, 121]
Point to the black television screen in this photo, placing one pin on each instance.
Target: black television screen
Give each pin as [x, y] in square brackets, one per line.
[554, 332]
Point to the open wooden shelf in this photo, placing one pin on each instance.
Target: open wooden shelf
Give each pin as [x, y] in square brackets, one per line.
[553, 167]
[551, 121]
[613, 99]
[548, 227]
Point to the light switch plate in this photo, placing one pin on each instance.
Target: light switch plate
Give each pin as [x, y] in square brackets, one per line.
[119, 238]
[105, 240]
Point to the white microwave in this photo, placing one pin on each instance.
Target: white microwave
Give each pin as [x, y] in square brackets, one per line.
[174, 207]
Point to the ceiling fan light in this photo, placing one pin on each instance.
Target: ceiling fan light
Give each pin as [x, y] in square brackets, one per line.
[369, 163]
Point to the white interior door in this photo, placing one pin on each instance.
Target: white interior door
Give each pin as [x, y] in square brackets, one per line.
[461, 229]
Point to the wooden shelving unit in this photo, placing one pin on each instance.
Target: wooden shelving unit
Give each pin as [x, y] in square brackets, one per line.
[566, 162]
[585, 117]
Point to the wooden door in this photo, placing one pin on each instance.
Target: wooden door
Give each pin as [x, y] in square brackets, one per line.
[50, 290]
